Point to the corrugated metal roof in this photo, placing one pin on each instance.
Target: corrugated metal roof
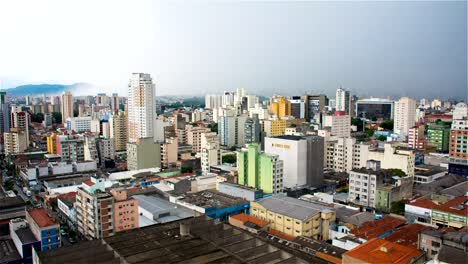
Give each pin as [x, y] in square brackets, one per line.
[292, 207]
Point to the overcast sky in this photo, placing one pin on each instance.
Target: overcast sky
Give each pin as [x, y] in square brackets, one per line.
[374, 48]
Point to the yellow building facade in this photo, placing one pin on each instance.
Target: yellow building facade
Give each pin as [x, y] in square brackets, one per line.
[51, 143]
[308, 219]
[281, 107]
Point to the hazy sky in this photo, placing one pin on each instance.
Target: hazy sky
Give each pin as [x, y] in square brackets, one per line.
[374, 48]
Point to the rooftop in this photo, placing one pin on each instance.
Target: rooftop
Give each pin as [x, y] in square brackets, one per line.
[358, 219]
[89, 183]
[292, 207]
[250, 219]
[8, 250]
[407, 235]
[377, 228]
[424, 203]
[25, 235]
[206, 241]
[382, 251]
[428, 170]
[458, 206]
[40, 216]
[212, 198]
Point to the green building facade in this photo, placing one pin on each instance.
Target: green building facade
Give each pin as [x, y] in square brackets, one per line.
[260, 170]
[438, 136]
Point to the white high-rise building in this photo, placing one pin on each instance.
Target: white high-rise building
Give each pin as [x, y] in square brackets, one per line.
[343, 100]
[405, 115]
[141, 91]
[66, 107]
[213, 101]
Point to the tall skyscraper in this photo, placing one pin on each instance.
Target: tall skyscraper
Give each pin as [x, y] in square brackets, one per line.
[4, 113]
[314, 104]
[141, 91]
[115, 103]
[405, 115]
[343, 100]
[66, 107]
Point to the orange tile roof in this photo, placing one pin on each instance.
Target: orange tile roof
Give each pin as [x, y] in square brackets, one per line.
[381, 251]
[248, 218]
[40, 216]
[424, 203]
[450, 206]
[372, 229]
[329, 258]
[89, 182]
[281, 235]
[407, 235]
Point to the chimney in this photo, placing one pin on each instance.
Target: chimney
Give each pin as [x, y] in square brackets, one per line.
[184, 229]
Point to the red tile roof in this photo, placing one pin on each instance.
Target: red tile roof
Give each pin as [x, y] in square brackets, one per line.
[424, 203]
[66, 195]
[89, 183]
[248, 218]
[381, 251]
[372, 229]
[455, 206]
[40, 216]
[281, 235]
[407, 235]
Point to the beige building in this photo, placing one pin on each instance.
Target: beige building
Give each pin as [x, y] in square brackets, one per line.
[94, 209]
[339, 124]
[15, 141]
[395, 157]
[294, 217]
[210, 152]
[125, 211]
[194, 135]
[405, 115]
[143, 154]
[66, 106]
[169, 152]
[118, 130]
[344, 154]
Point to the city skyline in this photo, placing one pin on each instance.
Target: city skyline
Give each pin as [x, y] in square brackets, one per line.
[403, 49]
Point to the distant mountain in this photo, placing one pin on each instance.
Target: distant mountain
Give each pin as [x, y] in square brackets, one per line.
[48, 89]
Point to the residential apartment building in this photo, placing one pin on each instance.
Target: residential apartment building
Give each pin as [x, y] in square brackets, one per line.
[105, 149]
[194, 136]
[260, 170]
[125, 211]
[44, 228]
[94, 210]
[14, 141]
[252, 130]
[344, 154]
[79, 124]
[405, 115]
[70, 147]
[377, 188]
[231, 130]
[339, 124]
[210, 154]
[21, 120]
[143, 154]
[140, 103]
[307, 219]
[302, 159]
[416, 138]
[438, 136]
[458, 155]
[118, 125]
[213, 101]
[66, 106]
[394, 156]
[169, 151]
